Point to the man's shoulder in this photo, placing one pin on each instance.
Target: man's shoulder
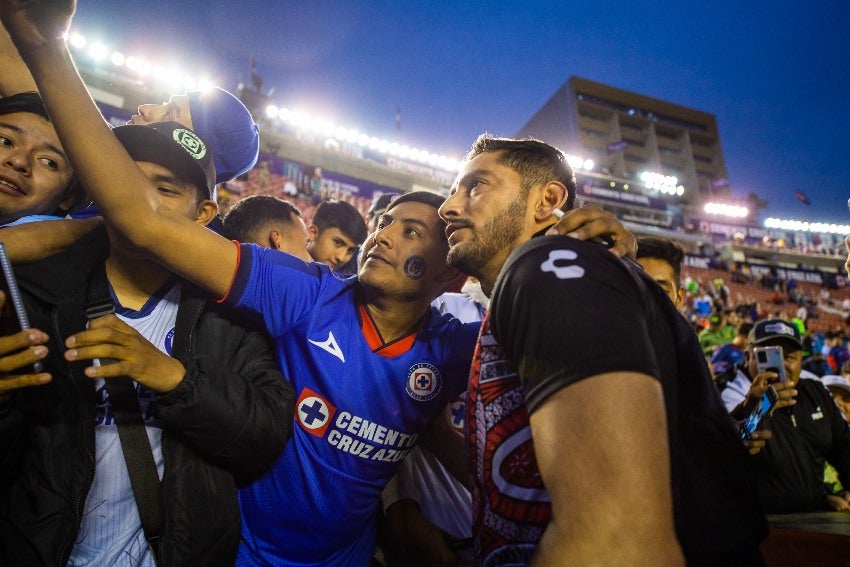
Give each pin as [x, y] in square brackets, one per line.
[545, 260]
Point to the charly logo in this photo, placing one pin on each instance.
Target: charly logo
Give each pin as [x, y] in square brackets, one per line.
[423, 382]
[561, 271]
[190, 142]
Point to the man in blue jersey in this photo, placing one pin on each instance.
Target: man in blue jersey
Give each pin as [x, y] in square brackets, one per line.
[371, 363]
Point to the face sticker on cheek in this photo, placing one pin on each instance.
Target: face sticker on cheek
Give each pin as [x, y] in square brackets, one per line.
[414, 267]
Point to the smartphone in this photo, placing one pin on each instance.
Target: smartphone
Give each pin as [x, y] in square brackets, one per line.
[770, 359]
[13, 315]
[768, 400]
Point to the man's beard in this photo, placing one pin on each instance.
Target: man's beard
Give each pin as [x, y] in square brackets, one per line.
[498, 233]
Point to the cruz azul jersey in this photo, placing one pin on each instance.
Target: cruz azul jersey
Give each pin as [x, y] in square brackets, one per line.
[358, 412]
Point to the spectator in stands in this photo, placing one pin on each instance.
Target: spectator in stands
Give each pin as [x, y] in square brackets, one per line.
[214, 114]
[807, 427]
[837, 355]
[815, 362]
[714, 335]
[270, 222]
[217, 410]
[728, 358]
[839, 388]
[379, 204]
[336, 231]
[661, 259]
[33, 164]
[579, 350]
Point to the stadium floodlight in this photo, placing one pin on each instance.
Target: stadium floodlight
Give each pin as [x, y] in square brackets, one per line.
[726, 210]
[117, 58]
[98, 52]
[352, 136]
[363, 140]
[805, 226]
[272, 111]
[139, 65]
[577, 162]
[205, 84]
[77, 40]
[667, 184]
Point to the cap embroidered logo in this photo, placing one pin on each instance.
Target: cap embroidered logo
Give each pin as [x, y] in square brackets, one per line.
[190, 142]
[779, 329]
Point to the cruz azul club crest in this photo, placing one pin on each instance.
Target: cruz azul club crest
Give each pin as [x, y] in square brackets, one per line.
[423, 382]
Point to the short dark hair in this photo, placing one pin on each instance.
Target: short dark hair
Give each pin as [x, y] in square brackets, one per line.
[341, 215]
[254, 212]
[31, 102]
[662, 249]
[23, 102]
[535, 161]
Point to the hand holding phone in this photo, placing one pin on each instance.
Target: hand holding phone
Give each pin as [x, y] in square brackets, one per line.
[13, 316]
[770, 359]
[762, 410]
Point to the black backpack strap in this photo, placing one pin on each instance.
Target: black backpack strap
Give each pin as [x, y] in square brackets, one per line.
[131, 430]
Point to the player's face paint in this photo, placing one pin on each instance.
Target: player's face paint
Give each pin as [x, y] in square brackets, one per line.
[414, 267]
[34, 171]
[406, 254]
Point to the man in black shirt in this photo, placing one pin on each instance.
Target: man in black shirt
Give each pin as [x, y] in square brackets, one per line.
[807, 426]
[608, 444]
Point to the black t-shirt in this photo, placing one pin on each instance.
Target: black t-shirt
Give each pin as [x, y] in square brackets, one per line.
[564, 310]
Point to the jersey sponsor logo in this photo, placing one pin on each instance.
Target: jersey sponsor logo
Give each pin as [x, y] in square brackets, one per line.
[190, 141]
[314, 412]
[562, 271]
[368, 440]
[423, 382]
[329, 345]
[351, 433]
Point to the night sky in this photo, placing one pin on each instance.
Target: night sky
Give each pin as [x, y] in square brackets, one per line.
[775, 74]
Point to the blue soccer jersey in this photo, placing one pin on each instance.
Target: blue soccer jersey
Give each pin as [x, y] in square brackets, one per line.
[361, 405]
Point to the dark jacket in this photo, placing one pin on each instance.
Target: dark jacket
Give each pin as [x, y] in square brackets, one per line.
[790, 467]
[223, 425]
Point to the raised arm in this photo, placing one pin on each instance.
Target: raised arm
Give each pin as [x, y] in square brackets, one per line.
[34, 241]
[101, 163]
[15, 77]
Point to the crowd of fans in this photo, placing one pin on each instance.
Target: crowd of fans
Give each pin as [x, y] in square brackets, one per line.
[291, 383]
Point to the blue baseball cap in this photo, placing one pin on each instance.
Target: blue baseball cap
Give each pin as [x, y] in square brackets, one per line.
[226, 125]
